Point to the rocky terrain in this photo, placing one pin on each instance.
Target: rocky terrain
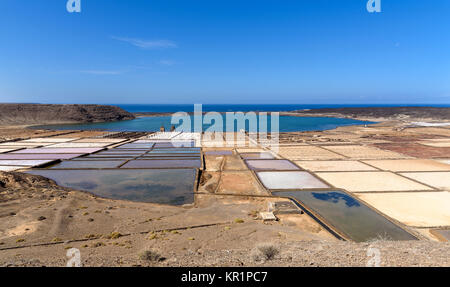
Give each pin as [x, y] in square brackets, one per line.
[416, 113]
[15, 181]
[32, 114]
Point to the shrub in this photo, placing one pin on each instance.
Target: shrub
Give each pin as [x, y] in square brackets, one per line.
[150, 255]
[114, 235]
[265, 251]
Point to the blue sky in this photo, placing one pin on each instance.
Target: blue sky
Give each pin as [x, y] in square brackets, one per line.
[225, 51]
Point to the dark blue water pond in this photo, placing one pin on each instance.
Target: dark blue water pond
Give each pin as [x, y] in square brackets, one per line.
[168, 186]
[348, 215]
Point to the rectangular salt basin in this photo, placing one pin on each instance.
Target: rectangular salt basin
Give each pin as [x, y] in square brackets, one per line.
[348, 215]
[219, 152]
[271, 164]
[167, 143]
[289, 180]
[114, 155]
[307, 153]
[88, 164]
[88, 158]
[20, 144]
[10, 168]
[216, 144]
[96, 155]
[168, 158]
[119, 154]
[257, 155]
[10, 156]
[99, 140]
[419, 209]
[77, 145]
[25, 162]
[363, 152]
[174, 144]
[440, 180]
[145, 142]
[249, 150]
[156, 151]
[167, 186]
[5, 150]
[369, 181]
[124, 151]
[174, 149]
[409, 165]
[150, 155]
[102, 153]
[58, 150]
[173, 163]
[49, 140]
[334, 165]
[133, 146]
[17, 147]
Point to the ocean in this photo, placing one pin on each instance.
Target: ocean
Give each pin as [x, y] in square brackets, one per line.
[286, 123]
[243, 108]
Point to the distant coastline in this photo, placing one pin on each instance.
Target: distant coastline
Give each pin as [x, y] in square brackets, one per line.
[371, 113]
[381, 113]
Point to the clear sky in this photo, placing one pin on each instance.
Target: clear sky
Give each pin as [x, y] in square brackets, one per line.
[225, 51]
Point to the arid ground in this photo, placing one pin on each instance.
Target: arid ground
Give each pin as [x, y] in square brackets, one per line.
[398, 169]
